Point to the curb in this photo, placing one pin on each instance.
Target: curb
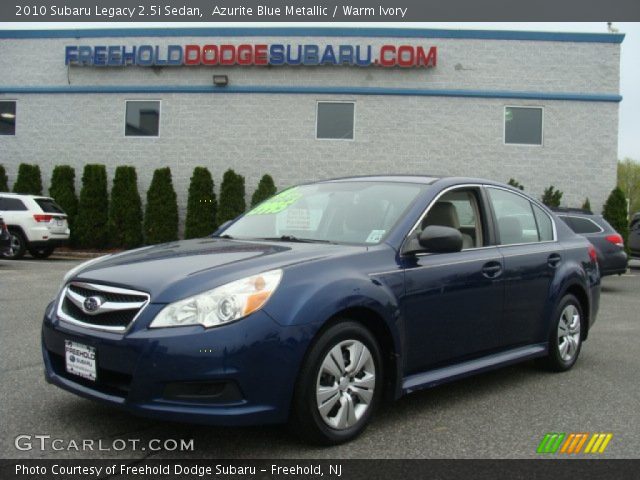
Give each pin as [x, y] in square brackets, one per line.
[73, 255]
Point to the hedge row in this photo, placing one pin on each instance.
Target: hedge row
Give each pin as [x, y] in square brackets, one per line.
[97, 221]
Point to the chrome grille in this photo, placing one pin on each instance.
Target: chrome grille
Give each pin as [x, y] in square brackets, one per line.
[100, 306]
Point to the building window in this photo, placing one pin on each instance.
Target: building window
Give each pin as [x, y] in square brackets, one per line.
[7, 118]
[335, 120]
[523, 125]
[142, 118]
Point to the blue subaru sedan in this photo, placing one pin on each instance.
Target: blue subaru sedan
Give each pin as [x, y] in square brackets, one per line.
[324, 301]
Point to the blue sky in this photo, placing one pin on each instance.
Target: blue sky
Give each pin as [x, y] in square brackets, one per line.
[629, 128]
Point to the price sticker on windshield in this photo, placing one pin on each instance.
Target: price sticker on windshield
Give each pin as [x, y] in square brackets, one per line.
[278, 203]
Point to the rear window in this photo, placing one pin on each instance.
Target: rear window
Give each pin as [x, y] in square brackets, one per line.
[11, 204]
[582, 225]
[48, 206]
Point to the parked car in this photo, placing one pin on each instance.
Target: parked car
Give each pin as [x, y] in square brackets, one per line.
[5, 237]
[609, 244]
[35, 223]
[323, 300]
[634, 236]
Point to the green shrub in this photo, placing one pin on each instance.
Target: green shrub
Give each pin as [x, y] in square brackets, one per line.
[63, 191]
[91, 224]
[29, 180]
[266, 189]
[201, 205]
[586, 205]
[615, 212]
[551, 197]
[125, 209]
[161, 213]
[232, 201]
[4, 181]
[514, 183]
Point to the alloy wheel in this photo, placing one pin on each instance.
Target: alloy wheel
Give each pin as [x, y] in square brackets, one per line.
[14, 246]
[345, 384]
[569, 333]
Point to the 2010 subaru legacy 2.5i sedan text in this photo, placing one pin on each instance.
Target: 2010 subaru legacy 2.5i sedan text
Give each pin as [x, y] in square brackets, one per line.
[324, 300]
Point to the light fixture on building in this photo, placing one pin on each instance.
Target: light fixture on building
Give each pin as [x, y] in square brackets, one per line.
[9, 116]
[220, 80]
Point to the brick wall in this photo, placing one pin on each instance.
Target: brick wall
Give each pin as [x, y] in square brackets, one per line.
[275, 133]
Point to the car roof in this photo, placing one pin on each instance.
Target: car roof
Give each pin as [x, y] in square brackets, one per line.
[424, 179]
[409, 178]
[24, 195]
[573, 212]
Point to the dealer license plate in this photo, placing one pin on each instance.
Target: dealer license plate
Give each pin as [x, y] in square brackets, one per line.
[80, 360]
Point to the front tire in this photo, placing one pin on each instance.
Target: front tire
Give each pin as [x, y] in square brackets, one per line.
[565, 340]
[17, 247]
[339, 386]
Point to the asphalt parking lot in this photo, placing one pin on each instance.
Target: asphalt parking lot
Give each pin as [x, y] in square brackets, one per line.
[502, 414]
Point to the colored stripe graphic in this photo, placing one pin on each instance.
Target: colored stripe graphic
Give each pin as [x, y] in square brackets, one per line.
[573, 443]
[598, 443]
[551, 442]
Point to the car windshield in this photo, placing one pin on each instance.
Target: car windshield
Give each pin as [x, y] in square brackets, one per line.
[357, 212]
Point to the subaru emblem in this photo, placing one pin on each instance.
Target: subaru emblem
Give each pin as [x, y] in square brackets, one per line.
[92, 304]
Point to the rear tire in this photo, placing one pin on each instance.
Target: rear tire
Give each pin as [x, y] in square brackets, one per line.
[42, 252]
[565, 339]
[339, 386]
[18, 246]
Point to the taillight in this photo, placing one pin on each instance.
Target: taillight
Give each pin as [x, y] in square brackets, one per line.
[616, 239]
[593, 255]
[42, 218]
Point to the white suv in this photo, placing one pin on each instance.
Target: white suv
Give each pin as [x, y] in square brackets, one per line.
[35, 223]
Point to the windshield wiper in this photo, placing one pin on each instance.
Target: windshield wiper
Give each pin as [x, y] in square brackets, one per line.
[293, 238]
[226, 235]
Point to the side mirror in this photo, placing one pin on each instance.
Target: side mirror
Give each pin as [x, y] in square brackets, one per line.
[439, 239]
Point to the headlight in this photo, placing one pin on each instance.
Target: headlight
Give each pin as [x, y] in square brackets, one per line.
[221, 305]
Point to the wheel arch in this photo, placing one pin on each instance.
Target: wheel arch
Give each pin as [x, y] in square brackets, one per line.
[580, 293]
[19, 229]
[375, 323]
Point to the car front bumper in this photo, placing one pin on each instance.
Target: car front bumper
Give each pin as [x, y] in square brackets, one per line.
[239, 374]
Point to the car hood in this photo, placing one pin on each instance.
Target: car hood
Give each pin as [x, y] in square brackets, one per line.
[172, 271]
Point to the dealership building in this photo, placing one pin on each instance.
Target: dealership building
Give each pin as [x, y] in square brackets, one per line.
[306, 103]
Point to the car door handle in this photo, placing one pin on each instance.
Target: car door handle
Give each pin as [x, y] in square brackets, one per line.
[554, 260]
[492, 269]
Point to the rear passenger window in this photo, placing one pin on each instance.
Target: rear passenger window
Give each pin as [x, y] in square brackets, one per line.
[11, 204]
[515, 218]
[581, 225]
[48, 206]
[545, 227]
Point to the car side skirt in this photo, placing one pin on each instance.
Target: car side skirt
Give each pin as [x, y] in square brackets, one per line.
[450, 373]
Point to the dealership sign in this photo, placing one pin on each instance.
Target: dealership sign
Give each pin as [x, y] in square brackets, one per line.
[250, 54]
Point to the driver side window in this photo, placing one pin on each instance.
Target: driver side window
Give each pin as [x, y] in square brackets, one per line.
[457, 209]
